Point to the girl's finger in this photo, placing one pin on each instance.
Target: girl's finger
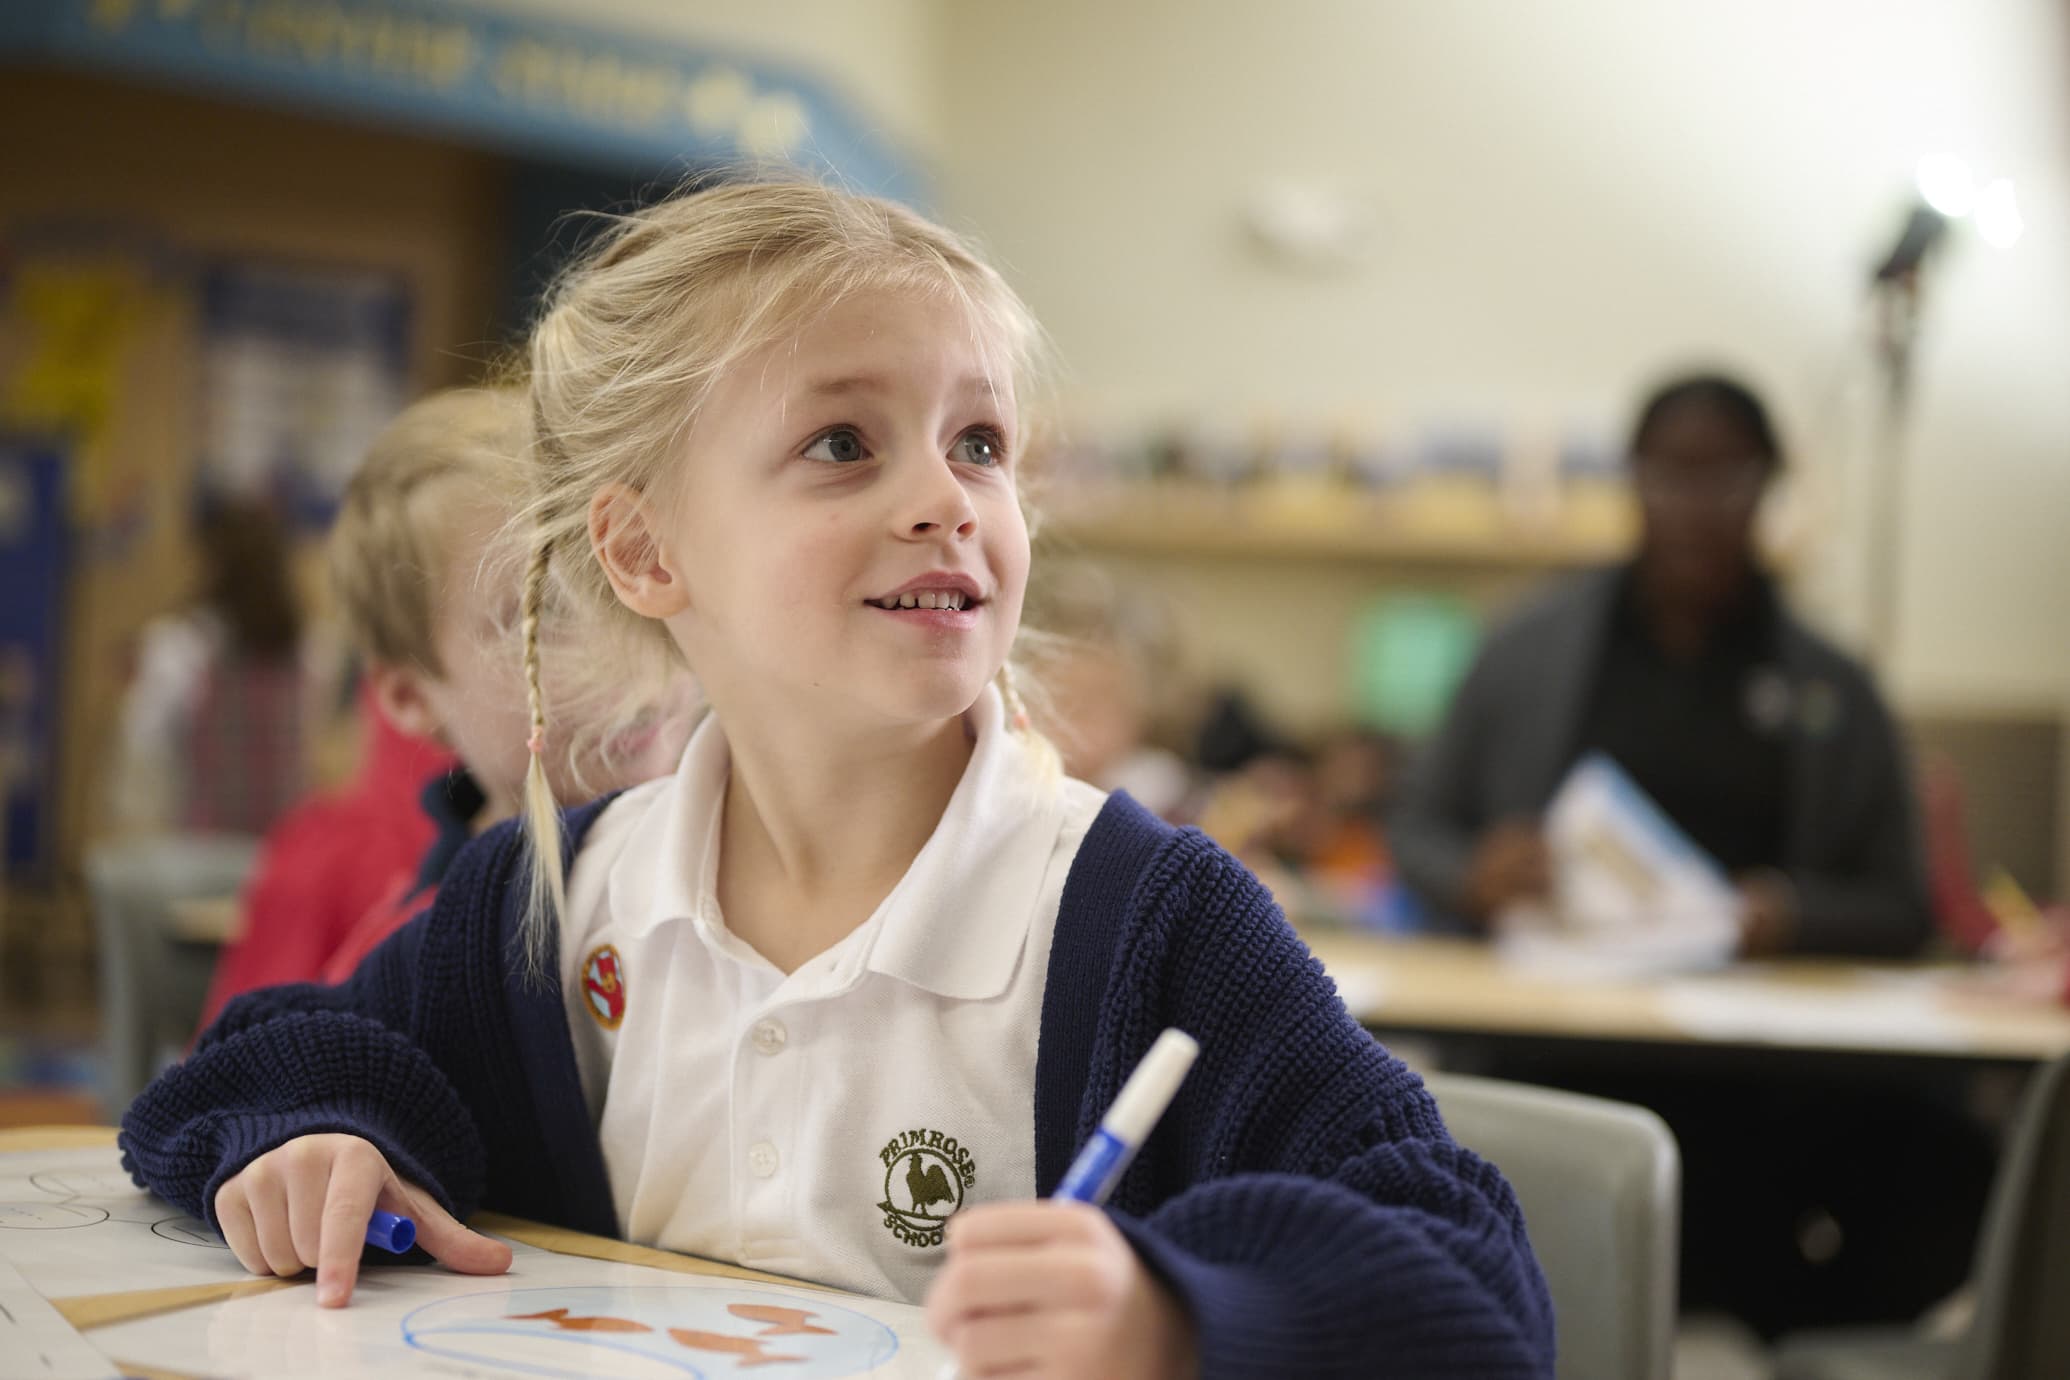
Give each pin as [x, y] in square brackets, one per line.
[342, 1234]
[1012, 1344]
[985, 1283]
[439, 1233]
[234, 1218]
[268, 1202]
[305, 1179]
[1024, 1224]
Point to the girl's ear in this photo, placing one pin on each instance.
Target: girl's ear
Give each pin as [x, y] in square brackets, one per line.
[624, 535]
[404, 698]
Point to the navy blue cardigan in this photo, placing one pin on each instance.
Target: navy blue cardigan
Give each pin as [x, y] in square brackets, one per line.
[1301, 1197]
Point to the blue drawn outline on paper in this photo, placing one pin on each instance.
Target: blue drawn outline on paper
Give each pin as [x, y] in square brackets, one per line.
[596, 1298]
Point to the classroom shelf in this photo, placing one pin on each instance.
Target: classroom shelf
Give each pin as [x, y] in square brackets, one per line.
[1319, 523]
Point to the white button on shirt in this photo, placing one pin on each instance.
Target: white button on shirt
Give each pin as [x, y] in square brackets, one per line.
[826, 1122]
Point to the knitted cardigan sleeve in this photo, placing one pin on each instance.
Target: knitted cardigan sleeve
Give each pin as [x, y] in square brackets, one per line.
[375, 1057]
[1302, 1196]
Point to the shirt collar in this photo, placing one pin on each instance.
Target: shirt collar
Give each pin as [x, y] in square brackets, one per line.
[669, 869]
[954, 925]
[1747, 629]
[957, 921]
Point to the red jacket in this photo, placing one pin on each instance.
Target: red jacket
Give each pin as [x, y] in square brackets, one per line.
[450, 803]
[328, 861]
[395, 907]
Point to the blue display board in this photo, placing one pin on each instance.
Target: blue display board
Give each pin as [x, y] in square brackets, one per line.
[34, 548]
[590, 95]
[301, 367]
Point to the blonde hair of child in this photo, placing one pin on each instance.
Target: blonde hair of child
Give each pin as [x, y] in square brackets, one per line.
[415, 496]
[388, 548]
[632, 339]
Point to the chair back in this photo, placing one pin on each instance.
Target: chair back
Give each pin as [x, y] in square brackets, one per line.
[2022, 1323]
[152, 983]
[1600, 1185]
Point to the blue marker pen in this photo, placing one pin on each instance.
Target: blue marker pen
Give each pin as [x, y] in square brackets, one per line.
[390, 1232]
[1128, 1123]
[1130, 1120]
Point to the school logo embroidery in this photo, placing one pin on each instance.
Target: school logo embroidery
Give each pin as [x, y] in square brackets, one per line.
[926, 1175]
[603, 986]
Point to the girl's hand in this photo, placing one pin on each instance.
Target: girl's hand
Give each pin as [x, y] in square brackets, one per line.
[309, 1201]
[1051, 1289]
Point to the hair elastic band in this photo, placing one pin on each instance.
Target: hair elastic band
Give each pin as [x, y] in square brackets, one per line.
[537, 742]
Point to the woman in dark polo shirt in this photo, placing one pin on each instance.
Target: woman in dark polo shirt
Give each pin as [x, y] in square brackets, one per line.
[1810, 1195]
[1767, 745]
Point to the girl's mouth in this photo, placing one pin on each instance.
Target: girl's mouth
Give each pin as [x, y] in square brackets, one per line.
[951, 599]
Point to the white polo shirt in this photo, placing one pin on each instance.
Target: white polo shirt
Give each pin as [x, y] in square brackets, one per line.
[820, 1124]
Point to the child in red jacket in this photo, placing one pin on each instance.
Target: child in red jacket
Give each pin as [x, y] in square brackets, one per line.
[423, 572]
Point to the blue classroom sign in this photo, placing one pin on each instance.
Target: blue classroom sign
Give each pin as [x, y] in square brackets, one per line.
[32, 571]
[590, 96]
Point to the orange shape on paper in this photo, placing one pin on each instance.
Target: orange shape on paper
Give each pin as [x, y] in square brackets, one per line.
[783, 1322]
[749, 1349]
[559, 1318]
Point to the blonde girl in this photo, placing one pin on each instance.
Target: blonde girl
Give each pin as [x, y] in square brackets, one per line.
[842, 997]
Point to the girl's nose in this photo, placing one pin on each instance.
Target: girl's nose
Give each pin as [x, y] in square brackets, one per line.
[938, 505]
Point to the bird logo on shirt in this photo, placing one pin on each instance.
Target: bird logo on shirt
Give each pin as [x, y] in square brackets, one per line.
[925, 1177]
[927, 1185]
[603, 986]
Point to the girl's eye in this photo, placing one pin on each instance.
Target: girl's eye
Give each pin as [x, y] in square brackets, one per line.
[841, 446]
[980, 447]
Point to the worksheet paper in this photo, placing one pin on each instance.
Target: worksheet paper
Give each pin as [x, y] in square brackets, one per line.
[1901, 1012]
[552, 1315]
[36, 1341]
[73, 1223]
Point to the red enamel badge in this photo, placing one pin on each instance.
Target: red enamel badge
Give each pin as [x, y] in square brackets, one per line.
[603, 986]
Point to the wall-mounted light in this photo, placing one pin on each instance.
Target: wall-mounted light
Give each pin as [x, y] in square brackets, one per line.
[1947, 192]
[1310, 226]
[1946, 185]
[1998, 215]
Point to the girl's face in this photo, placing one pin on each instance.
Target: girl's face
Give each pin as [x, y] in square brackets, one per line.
[849, 539]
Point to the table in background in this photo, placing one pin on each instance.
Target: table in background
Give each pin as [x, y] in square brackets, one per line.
[1455, 987]
[212, 920]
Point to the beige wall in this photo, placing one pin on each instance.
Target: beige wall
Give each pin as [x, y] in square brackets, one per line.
[1567, 198]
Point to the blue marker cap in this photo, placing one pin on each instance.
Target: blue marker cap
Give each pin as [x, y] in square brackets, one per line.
[390, 1232]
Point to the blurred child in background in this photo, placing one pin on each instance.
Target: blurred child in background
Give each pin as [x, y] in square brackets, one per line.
[212, 735]
[425, 577]
[1106, 669]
